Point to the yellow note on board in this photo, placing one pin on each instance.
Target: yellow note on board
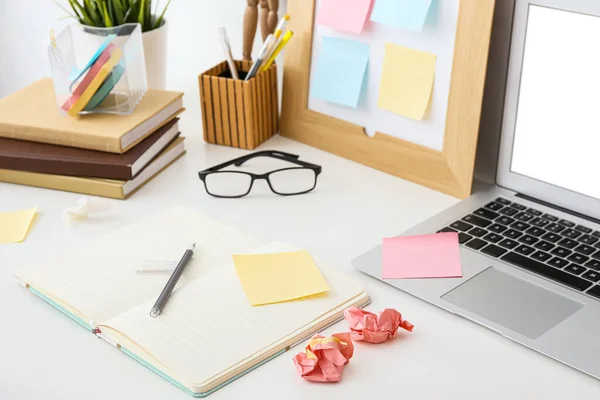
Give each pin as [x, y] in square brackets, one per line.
[407, 81]
[273, 278]
[14, 225]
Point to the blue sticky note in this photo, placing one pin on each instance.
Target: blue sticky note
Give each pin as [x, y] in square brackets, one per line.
[340, 72]
[407, 14]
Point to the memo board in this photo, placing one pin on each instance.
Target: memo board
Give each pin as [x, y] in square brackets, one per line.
[439, 151]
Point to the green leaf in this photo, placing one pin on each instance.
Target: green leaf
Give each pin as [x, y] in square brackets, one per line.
[119, 11]
[142, 14]
[85, 18]
[159, 20]
[93, 12]
[107, 21]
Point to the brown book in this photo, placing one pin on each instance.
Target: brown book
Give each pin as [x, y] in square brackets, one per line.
[116, 189]
[45, 158]
[32, 114]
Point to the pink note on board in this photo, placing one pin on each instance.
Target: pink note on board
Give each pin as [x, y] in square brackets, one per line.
[345, 15]
[425, 256]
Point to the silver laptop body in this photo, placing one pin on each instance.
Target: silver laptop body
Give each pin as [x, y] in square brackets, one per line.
[530, 246]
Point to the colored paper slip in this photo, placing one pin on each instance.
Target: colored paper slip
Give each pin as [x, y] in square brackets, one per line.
[345, 15]
[340, 72]
[407, 14]
[14, 225]
[75, 74]
[425, 256]
[279, 277]
[407, 81]
[104, 90]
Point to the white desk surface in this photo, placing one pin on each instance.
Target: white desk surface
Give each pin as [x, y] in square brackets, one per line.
[45, 355]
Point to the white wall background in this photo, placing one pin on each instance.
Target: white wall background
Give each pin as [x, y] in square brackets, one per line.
[193, 42]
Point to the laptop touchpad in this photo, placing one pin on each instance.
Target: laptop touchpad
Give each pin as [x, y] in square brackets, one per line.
[521, 306]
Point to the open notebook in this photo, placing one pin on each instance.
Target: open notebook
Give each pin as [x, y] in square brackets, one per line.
[208, 334]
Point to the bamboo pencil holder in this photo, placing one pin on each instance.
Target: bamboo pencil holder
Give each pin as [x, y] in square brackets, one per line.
[235, 112]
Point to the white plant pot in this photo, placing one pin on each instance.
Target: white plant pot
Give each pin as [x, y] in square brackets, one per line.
[155, 52]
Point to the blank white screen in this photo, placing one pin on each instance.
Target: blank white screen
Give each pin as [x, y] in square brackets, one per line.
[557, 132]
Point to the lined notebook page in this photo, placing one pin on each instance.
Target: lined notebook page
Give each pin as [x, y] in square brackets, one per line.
[99, 279]
[209, 326]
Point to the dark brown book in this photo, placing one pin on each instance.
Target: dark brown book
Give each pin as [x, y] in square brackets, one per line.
[20, 155]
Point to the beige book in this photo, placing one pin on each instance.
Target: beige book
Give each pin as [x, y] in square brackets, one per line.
[208, 334]
[116, 189]
[32, 114]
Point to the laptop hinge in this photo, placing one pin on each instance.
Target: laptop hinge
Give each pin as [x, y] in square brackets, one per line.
[559, 208]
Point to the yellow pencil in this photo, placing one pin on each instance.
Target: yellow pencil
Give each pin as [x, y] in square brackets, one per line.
[286, 38]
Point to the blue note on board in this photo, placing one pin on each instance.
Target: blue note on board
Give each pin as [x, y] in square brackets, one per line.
[407, 14]
[340, 72]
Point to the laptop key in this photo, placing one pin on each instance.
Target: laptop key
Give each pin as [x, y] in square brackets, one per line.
[523, 216]
[551, 237]
[583, 229]
[596, 234]
[518, 206]
[509, 211]
[595, 291]
[461, 226]
[520, 226]
[539, 222]
[592, 276]
[566, 223]
[544, 246]
[593, 264]
[535, 212]
[588, 239]
[585, 249]
[485, 213]
[578, 258]
[447, 230]
[571, 233]
[493, 237]
[497, 228]
[550, 217]
[596, 255]
[527, 239]
[493, 250]
[556, 228]
[541, 256]
[568, 243]
[524, 249]
[561, 252]
[535, 231]
[494, 206]
[558, 262]
[512, 234]
[502, 201]
[476, 243]
[464, 238]
[477, 232]
[575, 269]
[547, 271]
[509, 243]
[477, 221]
[504, 220]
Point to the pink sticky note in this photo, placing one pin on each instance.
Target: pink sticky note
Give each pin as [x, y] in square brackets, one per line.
[345, 15]
[426, 256]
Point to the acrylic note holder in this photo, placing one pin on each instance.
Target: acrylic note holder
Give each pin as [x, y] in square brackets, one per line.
[239, 113]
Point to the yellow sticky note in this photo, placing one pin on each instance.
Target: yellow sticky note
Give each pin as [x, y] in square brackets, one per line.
[407, 81]
[273, 278]
[14, 225]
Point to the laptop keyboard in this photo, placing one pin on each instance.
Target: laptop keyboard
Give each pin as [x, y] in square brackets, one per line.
[540, 243]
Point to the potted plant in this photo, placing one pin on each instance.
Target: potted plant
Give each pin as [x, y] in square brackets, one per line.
[111, 13]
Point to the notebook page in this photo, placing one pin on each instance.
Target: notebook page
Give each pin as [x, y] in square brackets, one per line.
[209, 326]
[99, 279]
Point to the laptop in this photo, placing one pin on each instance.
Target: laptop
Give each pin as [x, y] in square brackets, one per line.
[530, 245]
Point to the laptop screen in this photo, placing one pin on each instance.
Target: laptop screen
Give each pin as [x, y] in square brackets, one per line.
[557, 131]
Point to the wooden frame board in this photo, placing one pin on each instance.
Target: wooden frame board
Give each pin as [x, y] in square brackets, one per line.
[450, 170]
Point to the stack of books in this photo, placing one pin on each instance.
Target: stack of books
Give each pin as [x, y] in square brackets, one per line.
[97, 154]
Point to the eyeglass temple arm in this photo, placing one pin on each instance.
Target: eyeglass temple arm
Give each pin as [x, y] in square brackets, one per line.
[280, 155]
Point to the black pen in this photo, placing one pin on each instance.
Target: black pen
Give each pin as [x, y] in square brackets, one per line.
[166, 292]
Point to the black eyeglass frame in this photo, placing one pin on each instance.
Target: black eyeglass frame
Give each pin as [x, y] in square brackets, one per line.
[279, 155]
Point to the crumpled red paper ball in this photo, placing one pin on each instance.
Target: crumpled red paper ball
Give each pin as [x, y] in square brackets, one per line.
[324, 358]
[375, 328]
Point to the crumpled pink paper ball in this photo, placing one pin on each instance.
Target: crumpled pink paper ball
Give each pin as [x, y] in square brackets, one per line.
[324, 358]
[375, 328]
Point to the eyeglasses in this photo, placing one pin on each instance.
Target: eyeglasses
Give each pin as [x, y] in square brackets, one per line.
[285, 182]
